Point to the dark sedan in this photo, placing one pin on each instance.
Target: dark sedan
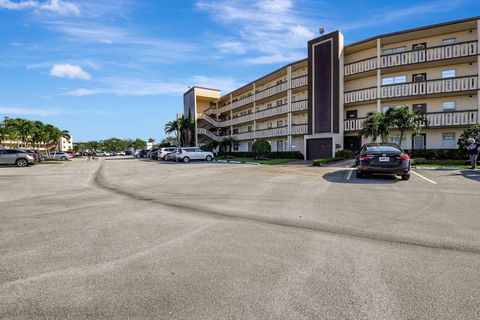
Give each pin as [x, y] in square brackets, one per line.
[383, 158]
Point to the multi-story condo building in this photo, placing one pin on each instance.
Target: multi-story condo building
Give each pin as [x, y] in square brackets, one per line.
[318, 105]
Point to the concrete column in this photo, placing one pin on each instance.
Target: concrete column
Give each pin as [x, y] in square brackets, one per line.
[478, 71]
[231, 115]
[379, 76]
[254, 113]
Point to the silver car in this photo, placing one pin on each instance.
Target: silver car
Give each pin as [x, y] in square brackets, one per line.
[19, 158]
[60, 156]
[187, 154]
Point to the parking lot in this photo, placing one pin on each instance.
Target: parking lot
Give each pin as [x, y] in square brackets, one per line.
[126, 238]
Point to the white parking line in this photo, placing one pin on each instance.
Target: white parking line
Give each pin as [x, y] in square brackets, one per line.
[424, 178]
[350, 174]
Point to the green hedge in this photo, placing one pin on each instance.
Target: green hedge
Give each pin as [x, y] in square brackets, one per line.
[438, 154]
[271, 155]
[323, 162]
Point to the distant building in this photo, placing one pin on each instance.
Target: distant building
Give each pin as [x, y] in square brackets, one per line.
[65, 144]
[150, 145]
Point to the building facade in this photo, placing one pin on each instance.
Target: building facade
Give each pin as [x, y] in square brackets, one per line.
[318, 105]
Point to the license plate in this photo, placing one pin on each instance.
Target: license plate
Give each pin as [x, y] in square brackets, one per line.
[384, 159]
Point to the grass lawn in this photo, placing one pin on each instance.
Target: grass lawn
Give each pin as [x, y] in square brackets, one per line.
[52, 162]
[269, 161]
[445, 164]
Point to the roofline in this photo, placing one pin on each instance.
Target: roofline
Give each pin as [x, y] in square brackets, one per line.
[263, 77]
[198, 87]
[431, 26]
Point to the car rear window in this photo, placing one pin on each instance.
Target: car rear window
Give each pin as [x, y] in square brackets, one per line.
[382, 149]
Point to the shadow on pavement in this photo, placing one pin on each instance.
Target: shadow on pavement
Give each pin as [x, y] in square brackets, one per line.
[340, 176]
[471, 174]
[116, 159]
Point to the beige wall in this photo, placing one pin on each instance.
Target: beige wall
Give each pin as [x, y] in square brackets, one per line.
[299, 118]
[360, 83]
[435, 104]
[462, 69]
[271, 83]
[362, 110]
[301, 95]
[360, 55]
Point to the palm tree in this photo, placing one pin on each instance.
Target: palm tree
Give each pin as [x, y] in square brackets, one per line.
[376, 125]
[24, 128]
[3, 131]
[403, 119]
[173, 127]
[38, 132]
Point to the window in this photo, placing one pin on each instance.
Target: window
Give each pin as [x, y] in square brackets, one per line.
[352, 114]
[448, 140]
[250, 128]
[269, 105]
[279, 123]
[448, 41]
[294, 120]
[279, 81]
[385, 108]
[279, 145]
[235, 147]
[394, 50]
[279, 102]
[449, 73]
[257, 109]
[396, 139]
[269, 125]
[448, 106]
[420, 108]
[419, 46]
[293, 98]
[394, 80]
[249, 146]
[419, 77]
[420, 141]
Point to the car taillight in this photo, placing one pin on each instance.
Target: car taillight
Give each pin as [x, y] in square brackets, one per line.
[365, 157]
[404, 157]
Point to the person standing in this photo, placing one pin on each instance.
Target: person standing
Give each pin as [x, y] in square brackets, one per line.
[472, 147]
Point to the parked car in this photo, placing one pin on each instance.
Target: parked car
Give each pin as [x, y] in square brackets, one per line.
[130, 151]
[163, 152]
[143, 153]
[121, 153]
[383, 158]
[152, 154]
[20, 158]
[187, 154]
[35, 154]
[113, 154]
[60, 156]
[172, 156]
[101, 153]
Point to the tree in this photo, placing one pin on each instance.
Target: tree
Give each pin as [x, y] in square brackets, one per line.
[376, 124]
[229, 142]
[261, 148]
[210, 146]
[403, 119]
[139, 144]
[471, 132]
[21, 128]
[173, 127]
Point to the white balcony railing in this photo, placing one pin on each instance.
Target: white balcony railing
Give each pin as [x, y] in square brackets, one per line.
[299, 129]
[447, 85]
[241, 119]
[273, 132]
[299, 81]
[457, 50]
[360, 95]
[434, 120]
[272, 111]
[209, 134]
[299, 105]
[361, 66]
[271, 91]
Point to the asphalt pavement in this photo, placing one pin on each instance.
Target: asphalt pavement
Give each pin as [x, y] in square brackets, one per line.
[122, 238]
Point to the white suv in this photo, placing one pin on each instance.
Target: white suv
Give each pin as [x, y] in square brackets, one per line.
[187, 154]
[162, 153]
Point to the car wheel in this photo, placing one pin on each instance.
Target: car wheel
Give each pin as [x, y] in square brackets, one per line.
[186, 160]
[165, 158]
[21, 163]
[64, 158]
[208, 158]
[405, 177]
[359, 174]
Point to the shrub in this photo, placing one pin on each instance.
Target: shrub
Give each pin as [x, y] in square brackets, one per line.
[261, 148]
[345, 153]
[438, 154]
[416, 161]
[270, 155]
[323, 162]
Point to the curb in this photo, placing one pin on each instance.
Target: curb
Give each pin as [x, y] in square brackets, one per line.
[438, 168]
[237, 162]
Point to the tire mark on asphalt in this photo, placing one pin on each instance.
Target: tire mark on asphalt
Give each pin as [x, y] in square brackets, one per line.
[100, 181]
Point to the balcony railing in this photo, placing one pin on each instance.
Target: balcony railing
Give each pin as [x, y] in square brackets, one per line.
[299, 81]
[264, 133]
[271, 112]
[458, 50]
[437, 53]
[446, 85]
[273, 132]
[240, 119]
[360, 95]
[209, 134]
[361, 66]
[271, 91]
[299, 128]
[434, 120]
[300, 105]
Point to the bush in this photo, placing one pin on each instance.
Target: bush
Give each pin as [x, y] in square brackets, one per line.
[270, 155]
[323, 162]
[416, 161]
[261, 148]
[438, 154]
[345, 153]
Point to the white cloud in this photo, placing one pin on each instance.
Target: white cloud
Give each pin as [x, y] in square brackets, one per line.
[61, 7]
[266, 30]
[28, 111]
[69, 71]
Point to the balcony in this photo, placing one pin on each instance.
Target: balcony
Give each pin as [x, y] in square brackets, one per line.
[434, 119]
[299, 81]
[437, 53]
[408, 89]
[259, 134]
[271, 91]
[271, 112]
[273, 132]
[458, 50]
[360, 66]
[299, 128]
[447, 85]
[300, 105]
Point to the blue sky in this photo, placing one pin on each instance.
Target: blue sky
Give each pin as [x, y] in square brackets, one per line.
[119, 67]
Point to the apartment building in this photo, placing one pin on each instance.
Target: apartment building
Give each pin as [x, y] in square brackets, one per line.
[318, 105]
